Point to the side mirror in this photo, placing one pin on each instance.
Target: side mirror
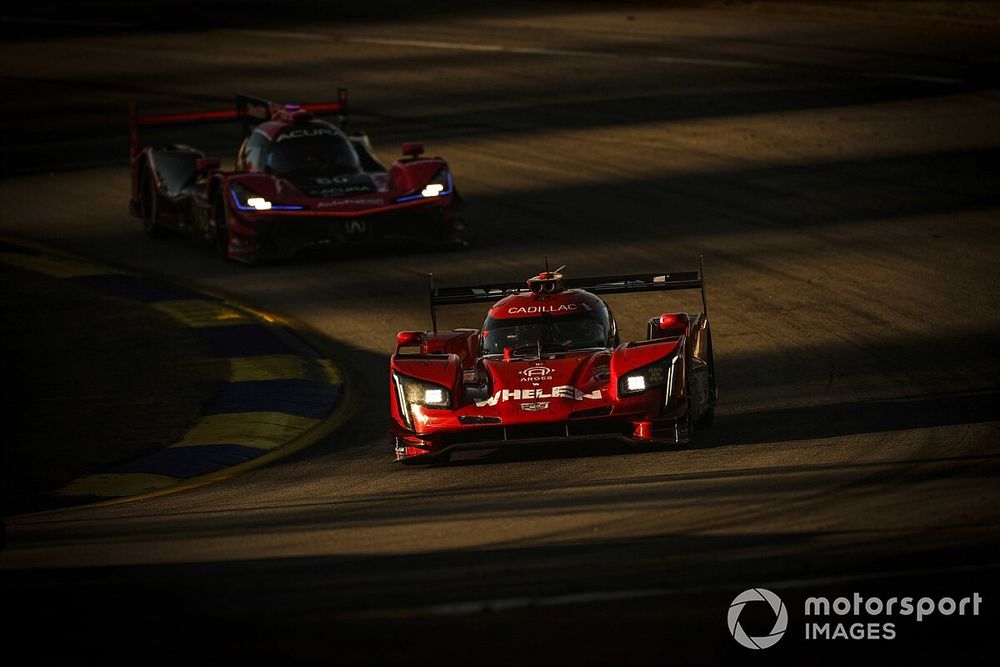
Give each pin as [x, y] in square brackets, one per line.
[413, 150]
[668, 325]
[409, 339]
[207, 164]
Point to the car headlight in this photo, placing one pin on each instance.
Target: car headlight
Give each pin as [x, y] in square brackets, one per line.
[248, 200]
[647, 377]
[439, 186]
[417, 392]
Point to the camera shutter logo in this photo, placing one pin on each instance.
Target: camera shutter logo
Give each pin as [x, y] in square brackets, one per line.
[780, 618]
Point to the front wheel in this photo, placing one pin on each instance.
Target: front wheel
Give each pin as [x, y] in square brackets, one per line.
[149, 206]
[708, 417]
[220, 227]
[684, 427]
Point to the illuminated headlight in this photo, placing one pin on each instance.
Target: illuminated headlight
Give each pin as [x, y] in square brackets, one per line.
[435, 397]
[439, 186]
[413, 392]
[248, 200]
[639, 380]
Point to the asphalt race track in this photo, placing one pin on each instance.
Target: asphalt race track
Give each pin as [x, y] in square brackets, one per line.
[842, 181]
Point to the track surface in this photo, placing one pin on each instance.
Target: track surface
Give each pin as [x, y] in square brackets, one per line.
[842, 182]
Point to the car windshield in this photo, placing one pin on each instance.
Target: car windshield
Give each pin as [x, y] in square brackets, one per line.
[554, 333]
[312, 151]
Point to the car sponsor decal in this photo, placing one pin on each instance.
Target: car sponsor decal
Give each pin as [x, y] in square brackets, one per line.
[298, 134]
[562, 391]
[530, 310]
[338, 192]
[535, 407]
[336, 180]
[536, 374]
[368, 201]
[355, 227]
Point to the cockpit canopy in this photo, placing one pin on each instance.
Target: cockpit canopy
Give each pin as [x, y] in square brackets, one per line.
[310, 149]
[578, 330]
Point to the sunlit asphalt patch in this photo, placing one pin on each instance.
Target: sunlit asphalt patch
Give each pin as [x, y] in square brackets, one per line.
[280, 388]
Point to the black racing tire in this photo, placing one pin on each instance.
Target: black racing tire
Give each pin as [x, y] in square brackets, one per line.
[708, 417]
[150, 205]
[689, 425]
[220, 234]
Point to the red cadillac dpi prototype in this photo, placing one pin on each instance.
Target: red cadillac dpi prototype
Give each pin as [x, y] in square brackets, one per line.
[298, 182]
[548, 365]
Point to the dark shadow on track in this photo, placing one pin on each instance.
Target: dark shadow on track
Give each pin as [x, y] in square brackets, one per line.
[436, 607]
[778, 425]
[829, 421]
[702, 206]
[96, 135]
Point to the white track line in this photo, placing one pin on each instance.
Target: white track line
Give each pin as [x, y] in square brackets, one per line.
[487, 48]
[922, 78]
[271, 34]
[564, 53]
[711, 62]
[567, 53]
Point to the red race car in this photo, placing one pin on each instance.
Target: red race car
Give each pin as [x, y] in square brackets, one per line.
[299, 182]
[548, 365]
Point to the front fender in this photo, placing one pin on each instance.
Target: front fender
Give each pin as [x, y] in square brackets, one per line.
[174, 169]
[441, 369]
[410, 175]
[262, 184]
[631, 357]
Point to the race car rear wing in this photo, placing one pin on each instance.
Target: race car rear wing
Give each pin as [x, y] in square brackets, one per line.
[622, 284]
[248, 111]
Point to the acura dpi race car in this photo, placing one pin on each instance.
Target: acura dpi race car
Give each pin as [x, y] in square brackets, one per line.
[299, 182]
[547, 365]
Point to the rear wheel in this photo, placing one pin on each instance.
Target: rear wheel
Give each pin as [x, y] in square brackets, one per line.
[149, 205]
